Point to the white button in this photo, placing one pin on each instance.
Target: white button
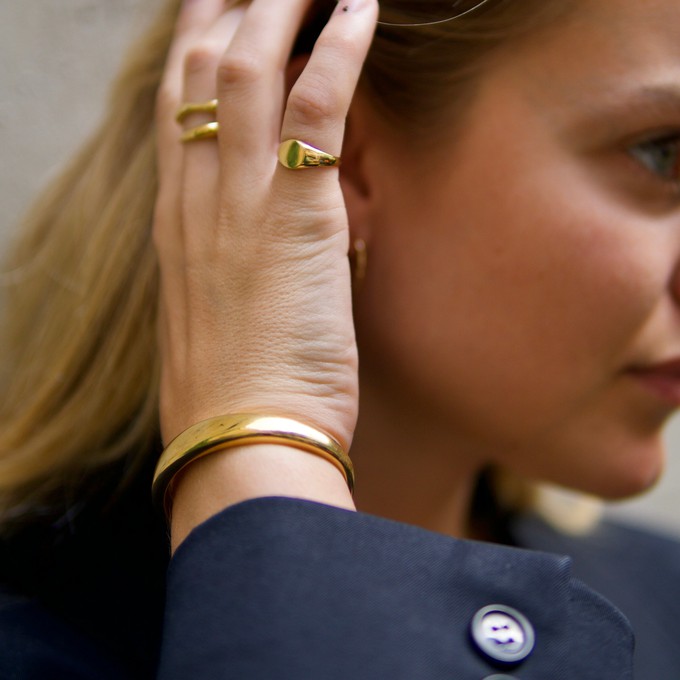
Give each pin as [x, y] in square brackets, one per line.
[502, 633]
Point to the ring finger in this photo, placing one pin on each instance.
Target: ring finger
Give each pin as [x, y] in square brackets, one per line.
[201, 157]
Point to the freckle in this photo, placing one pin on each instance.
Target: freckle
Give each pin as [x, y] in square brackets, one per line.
[345, 8]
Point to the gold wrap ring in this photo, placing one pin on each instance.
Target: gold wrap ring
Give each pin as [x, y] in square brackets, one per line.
[190, 108]
[205, 131]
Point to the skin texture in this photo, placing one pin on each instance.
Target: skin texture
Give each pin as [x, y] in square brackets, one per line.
[252, 255]
[515, 283]
[515, 277]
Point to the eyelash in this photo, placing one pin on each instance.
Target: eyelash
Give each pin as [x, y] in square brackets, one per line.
[660, 155]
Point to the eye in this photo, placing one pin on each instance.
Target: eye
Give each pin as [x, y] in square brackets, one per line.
[660, 156]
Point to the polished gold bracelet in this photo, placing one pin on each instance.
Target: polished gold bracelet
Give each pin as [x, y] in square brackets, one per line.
[223, 432]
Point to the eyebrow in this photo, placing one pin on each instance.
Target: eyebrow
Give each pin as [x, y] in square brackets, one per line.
[658, 98]
[655, 103]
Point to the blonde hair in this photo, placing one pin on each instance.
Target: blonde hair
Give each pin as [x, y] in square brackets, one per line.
[78, 360]
[78, 364]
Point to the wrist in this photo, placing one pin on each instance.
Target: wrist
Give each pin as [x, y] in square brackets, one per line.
[240, 473]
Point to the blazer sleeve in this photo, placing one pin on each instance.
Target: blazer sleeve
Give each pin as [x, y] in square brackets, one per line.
[283, 588]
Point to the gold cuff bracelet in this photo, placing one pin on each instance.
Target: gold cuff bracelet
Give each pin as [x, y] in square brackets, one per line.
[223, 432]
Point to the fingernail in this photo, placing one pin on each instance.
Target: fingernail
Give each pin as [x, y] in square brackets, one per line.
[349, 6]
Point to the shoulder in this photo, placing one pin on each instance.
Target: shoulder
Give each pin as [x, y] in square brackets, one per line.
[612, 553]
[637, 569]
[315, 581]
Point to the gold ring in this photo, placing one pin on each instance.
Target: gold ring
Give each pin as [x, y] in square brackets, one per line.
[297, 155]
[201, 107]
[207, 131]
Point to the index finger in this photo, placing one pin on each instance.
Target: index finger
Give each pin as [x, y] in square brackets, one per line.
[320, 99]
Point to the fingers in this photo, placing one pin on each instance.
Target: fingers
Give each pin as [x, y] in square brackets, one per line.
[251, 90]
[251, 81]
[249, 78]
[194, 19]
[320, 99]
[232, 333]
[201, 158]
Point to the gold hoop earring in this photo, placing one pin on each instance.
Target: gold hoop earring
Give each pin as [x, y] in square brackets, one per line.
[358, 262]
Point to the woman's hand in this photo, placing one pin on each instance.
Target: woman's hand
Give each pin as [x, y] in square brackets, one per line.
[255, 283]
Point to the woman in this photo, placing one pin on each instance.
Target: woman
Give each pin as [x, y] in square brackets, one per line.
[512, 175]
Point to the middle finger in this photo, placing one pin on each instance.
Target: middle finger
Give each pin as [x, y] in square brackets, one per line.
[251, 81]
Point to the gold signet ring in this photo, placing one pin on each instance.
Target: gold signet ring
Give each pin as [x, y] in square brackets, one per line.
[190, 108]
[207, 131]
[297, 155]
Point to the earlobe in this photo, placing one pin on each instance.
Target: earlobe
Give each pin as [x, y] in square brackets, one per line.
[358, 262]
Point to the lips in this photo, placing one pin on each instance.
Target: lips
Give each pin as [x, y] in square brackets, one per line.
[662, 380]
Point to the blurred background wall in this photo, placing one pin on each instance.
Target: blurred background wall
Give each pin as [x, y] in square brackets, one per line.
[57, 59]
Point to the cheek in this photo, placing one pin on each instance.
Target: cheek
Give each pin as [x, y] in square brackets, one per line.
[512, 313]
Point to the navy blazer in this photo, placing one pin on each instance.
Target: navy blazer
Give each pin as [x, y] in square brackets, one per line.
[280, 588]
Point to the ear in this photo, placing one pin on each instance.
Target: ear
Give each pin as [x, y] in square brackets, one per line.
[355, 179]
[295, 67]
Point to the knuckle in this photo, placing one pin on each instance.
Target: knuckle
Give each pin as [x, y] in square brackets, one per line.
[200, 59]
[313, 103]
[239, 69]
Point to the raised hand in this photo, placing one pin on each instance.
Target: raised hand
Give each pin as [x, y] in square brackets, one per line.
[255, 301]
